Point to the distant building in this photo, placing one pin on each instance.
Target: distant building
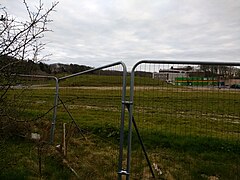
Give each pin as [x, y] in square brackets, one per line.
[229, 82]
[170, 75]
[198, 81]
[187, 76]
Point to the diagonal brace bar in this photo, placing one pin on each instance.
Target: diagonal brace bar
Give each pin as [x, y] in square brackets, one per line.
[70, 115]
[141, 141]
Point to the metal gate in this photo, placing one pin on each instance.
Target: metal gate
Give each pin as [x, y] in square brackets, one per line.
[92, 109]
[28, 111]
[34, 99]
[184, 120]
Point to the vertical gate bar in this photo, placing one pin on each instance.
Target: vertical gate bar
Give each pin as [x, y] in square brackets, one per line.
[130, 122]
[122, 121]
[54, 111]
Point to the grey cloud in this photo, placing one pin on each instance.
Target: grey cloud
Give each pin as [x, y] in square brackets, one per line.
[96, 31]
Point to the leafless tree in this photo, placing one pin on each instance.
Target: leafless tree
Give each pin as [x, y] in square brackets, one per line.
[20, 40]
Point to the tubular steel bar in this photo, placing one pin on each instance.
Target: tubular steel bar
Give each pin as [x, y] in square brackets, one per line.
[55, 101]
[92, 70]
[141, 142]
[130, 124]
[70, 115]
[132, 93]
[124, 84]
[120, 169]
[185, 62]
[55, 111]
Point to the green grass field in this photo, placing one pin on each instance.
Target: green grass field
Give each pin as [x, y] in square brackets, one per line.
[190, 133]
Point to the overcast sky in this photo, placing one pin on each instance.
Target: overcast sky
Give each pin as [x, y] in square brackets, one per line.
[98, 32]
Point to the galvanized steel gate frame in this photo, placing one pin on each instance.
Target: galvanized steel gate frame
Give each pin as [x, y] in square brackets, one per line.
[123, 96]
[131, 102]
[129, 105]
[55, 103]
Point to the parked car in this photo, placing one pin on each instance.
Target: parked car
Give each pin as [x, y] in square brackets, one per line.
[235, 86]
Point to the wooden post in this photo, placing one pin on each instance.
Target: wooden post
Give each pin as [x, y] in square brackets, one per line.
[64, 140]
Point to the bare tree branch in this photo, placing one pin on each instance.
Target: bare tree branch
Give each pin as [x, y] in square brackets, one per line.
[18, 36]
[19, 41]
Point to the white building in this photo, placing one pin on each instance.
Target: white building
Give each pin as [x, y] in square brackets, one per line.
[170, 75]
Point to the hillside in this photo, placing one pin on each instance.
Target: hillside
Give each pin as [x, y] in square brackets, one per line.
[13, 65]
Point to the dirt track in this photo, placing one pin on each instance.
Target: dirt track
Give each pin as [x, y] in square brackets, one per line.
[175, 88]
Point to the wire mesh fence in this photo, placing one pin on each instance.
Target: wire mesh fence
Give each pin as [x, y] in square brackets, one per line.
[27, 112]
[188, 117]
[184, 122]
[31, 103]
[90, 103]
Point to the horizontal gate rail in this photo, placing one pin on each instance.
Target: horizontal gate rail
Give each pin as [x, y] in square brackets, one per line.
[96, 69]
